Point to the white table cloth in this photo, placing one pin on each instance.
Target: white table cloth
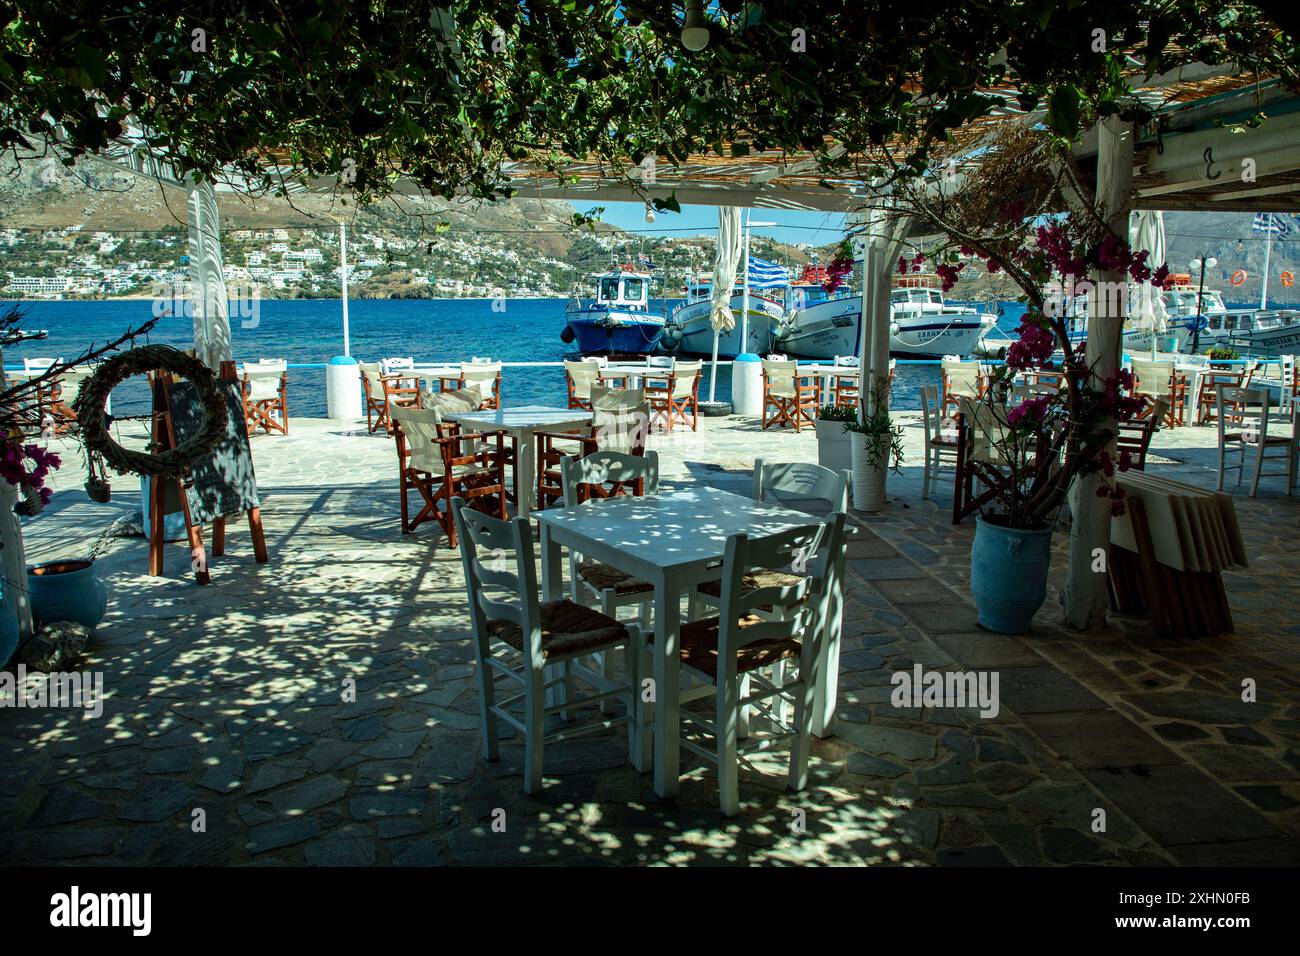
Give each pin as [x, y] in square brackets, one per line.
[521, 423]
[674, 542]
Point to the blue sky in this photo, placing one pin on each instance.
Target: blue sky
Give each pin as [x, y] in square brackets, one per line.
[817, 228]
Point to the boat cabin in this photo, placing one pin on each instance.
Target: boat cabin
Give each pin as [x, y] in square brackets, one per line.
[623, 288]
[810, 288]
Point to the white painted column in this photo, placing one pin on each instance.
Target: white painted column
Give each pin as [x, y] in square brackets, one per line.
[208, 287]
[13, 559]
[343, 276]
[1085, 590]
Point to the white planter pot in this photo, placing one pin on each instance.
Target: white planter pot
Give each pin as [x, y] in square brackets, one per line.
[868, 476]
[834, 446]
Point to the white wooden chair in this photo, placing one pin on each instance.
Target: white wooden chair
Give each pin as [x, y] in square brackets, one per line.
[730, 657]
[605, 474]
[1252, 432]
[1290, 392]
[798, 485]
[537, 635]
[791, 398]
[940, 442]
[392, 366]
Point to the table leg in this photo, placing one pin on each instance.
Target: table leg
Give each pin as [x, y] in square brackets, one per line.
[667, 674]
[526, 468]
[828, 663]
[552, 581]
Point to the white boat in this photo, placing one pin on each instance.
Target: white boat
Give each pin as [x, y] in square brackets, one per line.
[822, 325]
[690, 331]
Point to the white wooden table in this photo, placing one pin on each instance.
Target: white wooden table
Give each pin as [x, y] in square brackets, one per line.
[521, 424]
[674, 542]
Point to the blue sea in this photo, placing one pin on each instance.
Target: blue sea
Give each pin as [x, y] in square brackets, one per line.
[308, 332]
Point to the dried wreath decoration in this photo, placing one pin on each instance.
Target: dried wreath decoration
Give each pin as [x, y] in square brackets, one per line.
[173, 463]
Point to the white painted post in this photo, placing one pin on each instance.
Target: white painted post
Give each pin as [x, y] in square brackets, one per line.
[208, 292]
[1085, 589]
[13, 559]
[343, 273]
[744, 307]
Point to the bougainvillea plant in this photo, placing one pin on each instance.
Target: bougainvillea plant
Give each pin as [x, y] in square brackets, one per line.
[1040, 439]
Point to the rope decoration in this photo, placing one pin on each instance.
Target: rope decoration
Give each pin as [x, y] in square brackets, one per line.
[175, 462]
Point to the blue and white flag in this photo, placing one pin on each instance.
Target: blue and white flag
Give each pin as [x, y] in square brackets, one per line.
[1277, 223]
[767, 275]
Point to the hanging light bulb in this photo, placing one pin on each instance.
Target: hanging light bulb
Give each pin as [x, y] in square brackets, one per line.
[695, 30]
[649, 213]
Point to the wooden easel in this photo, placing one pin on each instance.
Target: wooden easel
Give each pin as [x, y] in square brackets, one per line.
[1181, 603]
[164, 438]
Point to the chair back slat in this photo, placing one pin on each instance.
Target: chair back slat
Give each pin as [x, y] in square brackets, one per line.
[582, 376]
[372, 374]
[606, 473]
[931, 413]
[485, 541]
[780, 376]
[801, 480]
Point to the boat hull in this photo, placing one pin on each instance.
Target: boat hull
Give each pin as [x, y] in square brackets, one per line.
[608, 332]
[828, 329]
[692, 330]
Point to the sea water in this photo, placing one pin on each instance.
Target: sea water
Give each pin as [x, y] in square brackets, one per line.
[308, 332]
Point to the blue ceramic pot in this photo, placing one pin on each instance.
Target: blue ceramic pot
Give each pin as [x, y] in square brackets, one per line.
[1008, 575]
[66, 591]
[8, 628]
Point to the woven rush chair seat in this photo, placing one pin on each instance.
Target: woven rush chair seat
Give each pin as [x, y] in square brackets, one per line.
[698, 641]
[602, 576]
[755, 579]
[567, 629]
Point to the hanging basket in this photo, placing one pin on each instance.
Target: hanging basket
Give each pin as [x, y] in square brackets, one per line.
[172, 463]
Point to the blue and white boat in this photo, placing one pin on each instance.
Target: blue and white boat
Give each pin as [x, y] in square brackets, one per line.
[822, 325]
[690, 330]
[618, 321]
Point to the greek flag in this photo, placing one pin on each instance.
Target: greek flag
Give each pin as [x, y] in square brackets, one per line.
[767, 275]
[1279, 224]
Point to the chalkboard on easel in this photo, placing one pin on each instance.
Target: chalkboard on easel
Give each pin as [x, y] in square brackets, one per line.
[219, 486]
[222, 483]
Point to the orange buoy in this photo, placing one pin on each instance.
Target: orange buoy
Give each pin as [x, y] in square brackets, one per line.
[1288, 279]
[1238, 277]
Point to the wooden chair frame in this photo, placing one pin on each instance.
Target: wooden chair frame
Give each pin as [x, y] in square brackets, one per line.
[764, 691]
[261, 413]
[392, 394]
[528, 667]
[794, 410]
[483, 488]
[623, 405]
[667, 405]
[1135, 436]
[1248, 436]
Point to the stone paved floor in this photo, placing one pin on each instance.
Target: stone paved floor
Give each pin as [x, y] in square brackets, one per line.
[227, 699]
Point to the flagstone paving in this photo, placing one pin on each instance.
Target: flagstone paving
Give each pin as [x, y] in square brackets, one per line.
[321, 709]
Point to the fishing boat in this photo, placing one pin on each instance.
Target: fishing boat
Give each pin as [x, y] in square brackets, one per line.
[690, 328]
[823, 324]
[618, 320]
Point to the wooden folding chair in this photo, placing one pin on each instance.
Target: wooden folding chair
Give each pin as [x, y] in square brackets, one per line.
[265, 391]
[441, 462]
[846, 386]
[788, 398]
[961, 380]
[670, 398]
[620, 421]
[1135, 436]
[384, 393]
[1160, 380]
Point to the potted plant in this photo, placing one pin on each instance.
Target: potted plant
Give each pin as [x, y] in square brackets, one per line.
[877, 446]
[68, 590]
[1221, 356]
[833, 438]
